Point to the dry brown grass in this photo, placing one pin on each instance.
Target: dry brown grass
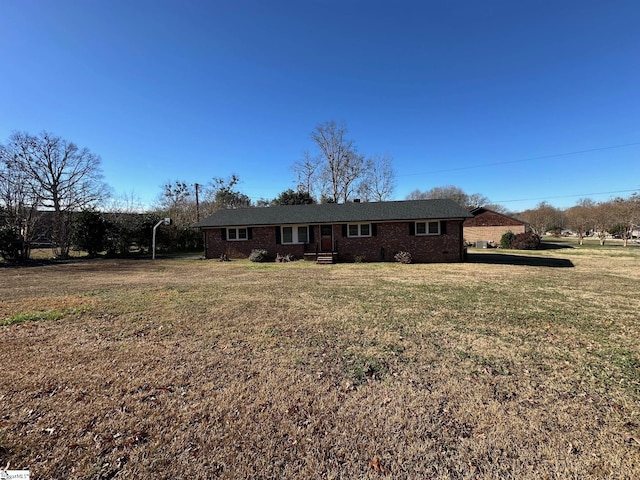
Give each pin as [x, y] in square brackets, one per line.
[200, 369]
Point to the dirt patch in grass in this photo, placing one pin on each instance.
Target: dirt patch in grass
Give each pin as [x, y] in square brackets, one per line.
[34, 306]
[178, 369]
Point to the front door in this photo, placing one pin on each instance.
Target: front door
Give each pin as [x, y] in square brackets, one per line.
[326, 238]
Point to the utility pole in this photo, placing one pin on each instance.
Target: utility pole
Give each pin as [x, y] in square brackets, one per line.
[197, 204]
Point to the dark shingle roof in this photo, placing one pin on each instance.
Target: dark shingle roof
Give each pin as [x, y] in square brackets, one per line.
[336, 213]
[475, 211]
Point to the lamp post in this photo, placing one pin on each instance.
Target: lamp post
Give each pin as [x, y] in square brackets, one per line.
[165, 221]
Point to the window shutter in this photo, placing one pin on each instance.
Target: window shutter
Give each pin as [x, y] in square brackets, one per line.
[374, 229]
[223, 231]
[344, 230]
[443, 227]
[278, 236]
[310, 230]
[412, 228]
[249, 233]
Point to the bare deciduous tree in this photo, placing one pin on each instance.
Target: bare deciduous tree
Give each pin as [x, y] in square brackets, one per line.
[542, 218]
[177, 201]
[602, 220]
[339, 172]
[580, 218]
[341, 164]
[477, 200]
[453, 193]
[626, 214]
[19, 204]
[127, 225]
[378, 182]
[307, 173]
[337, 166]
[60, 175]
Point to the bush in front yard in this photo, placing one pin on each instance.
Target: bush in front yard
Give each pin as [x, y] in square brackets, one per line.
[10, 244]
[526, 241]
[403, 257]
[258, 255]
[507, 239]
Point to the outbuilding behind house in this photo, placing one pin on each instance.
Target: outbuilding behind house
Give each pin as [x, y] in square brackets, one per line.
[488, 226]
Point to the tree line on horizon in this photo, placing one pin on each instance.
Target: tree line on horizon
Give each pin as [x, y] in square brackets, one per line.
[45, 179]
[618, 217]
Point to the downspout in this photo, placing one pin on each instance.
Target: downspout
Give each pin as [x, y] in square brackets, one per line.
[463, 248]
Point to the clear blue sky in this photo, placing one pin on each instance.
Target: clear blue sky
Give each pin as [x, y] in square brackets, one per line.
[460, 93]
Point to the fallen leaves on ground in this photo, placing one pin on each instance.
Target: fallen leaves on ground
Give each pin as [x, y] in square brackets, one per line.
[377, 466]
[631, 438]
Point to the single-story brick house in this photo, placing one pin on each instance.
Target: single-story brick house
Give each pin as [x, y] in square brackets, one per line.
[489, 226]
[430, 230]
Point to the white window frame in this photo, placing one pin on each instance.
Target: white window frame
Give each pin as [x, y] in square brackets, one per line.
[427, 231]
[236, 233]
[295, 237]
[359, 227]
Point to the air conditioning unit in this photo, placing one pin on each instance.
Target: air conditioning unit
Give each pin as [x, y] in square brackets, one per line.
[481, 244]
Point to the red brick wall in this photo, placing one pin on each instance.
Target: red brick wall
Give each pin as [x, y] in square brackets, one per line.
[489, 234]
[394, 237]
[261, 237]
[490, 226]
[390, 238]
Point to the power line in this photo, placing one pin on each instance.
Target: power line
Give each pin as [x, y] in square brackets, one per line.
[507, 162]
[565, 196]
